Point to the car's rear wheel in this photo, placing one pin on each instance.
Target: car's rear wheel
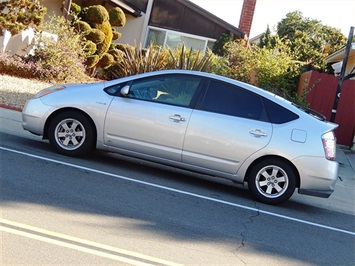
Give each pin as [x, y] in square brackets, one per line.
[272, 181]
[71, 133]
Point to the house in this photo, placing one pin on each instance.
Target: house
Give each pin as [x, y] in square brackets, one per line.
[166, 23]
[336, 59]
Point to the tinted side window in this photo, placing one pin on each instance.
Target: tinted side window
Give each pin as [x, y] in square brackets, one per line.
[278, 114]
[170, 89]
[232, 100]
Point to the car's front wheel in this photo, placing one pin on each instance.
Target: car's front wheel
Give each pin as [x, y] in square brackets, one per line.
[272, 181]
[71, 134]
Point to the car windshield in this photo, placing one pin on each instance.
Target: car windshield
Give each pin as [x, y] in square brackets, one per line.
[311, 112]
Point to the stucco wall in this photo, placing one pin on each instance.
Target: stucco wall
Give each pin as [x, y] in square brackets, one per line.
[53, 7]
[132, 32]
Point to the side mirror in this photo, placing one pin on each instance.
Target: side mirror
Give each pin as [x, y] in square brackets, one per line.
[125, 90]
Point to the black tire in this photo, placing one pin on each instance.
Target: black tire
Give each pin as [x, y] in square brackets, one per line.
[71, 134]
[272, 181]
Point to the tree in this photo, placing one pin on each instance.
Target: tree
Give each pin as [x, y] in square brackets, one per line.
[18, 15]
[272, 68]
[266, 39]
[309, 40]
[218, 47]
[96, 24]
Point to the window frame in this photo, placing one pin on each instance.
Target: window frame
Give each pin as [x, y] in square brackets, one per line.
[207, 41]
[264, 117]
[193, 100]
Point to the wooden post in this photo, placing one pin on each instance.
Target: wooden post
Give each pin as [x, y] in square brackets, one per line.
[342, 72]
[66, 7]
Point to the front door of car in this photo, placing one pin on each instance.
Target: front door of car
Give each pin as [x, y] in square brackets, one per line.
[230, 125]
[152, 117]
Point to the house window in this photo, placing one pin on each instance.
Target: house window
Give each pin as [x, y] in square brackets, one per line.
[174, 39]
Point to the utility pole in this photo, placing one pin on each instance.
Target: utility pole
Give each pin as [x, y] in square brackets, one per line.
[341, 77]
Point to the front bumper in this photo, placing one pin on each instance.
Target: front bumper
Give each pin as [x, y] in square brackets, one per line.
[34, 116]
[317, 176]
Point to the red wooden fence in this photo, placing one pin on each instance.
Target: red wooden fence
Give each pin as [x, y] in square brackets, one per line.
[321, 90]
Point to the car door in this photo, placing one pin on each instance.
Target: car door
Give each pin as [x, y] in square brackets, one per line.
[152, 117]
[230, 125]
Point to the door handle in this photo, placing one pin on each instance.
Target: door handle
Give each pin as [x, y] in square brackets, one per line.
[258, 133]
[177, 118]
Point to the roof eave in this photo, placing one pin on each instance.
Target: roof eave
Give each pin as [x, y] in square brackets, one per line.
[213, 17]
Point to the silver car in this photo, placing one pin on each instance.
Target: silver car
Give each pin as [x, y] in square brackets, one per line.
[196, 121]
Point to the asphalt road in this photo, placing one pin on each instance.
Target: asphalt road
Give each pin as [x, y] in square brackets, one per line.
[105, 209]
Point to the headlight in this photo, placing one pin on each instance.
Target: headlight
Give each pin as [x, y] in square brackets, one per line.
[49, 90]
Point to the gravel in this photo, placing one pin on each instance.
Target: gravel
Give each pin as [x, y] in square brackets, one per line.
[14, 91]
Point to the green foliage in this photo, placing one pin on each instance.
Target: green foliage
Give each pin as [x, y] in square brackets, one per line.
[75, 9]
[106, 61]
[115, 34]
[188, 59]
[62, 59]
[309, 40]
[104, 46]
[94, 14]
[89, 48]
[91, 61]
[18, 15]
[271, 68]
[117, 17]
[136, 60]
[117, 55]
[219, 45]
[82, 26]
[266, 39]
[100, 32]
[96, 36]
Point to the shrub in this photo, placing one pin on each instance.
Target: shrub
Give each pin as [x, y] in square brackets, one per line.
[271, 68]
[89, 48]
[75, 9]
[104, 46]
[62, 59]
[136, 60]
[92, 60]
[117, 54]
[96, 36]
[106, 61]
[181, 58]
[101, 33]
[95, 14]
[115, 35]
[117, 17]
[82, 26]
[16, 16]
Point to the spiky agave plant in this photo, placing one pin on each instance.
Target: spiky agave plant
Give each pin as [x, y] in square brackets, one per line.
[136, 60]
[181, 58]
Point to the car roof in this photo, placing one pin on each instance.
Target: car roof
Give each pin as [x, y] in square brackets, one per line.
[252, 88]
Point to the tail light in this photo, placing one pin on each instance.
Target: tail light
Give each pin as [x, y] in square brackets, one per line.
[329, 145]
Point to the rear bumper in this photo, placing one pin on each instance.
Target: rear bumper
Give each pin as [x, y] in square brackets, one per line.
[317, 176]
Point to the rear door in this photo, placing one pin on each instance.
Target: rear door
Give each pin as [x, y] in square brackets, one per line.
[152, 119]
[230, 125]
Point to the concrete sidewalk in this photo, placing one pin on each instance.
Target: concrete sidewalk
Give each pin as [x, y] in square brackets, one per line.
[342, 200]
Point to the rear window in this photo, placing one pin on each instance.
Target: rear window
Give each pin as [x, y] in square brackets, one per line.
[278, 114]
[227, 99]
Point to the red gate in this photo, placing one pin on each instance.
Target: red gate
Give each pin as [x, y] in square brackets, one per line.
[321, 90]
